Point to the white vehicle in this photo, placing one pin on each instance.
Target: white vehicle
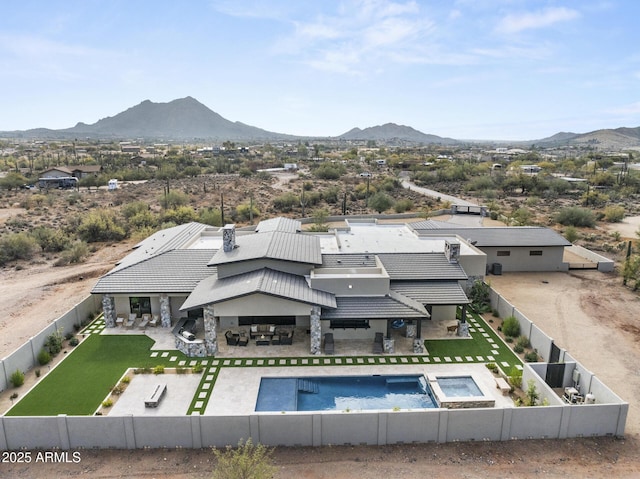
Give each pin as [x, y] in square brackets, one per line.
[365, 174]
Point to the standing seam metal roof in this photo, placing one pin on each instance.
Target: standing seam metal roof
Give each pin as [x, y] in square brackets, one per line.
[421, 266]
[516, 236]
[432, 292]
[267, 281]
[299, 248]
[393, 305]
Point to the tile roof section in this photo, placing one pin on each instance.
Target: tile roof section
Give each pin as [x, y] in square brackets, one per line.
[280, 223]
[177, 271]
[432, 292]
[298, 248]
[523, 236]
[266, 281]
[425, 266]
[393, 305]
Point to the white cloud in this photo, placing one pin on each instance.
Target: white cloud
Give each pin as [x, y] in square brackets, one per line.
[514, 23]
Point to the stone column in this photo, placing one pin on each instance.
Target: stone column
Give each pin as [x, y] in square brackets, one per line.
[165, 310]
[109, 310]
[210, 334]
[316, 330]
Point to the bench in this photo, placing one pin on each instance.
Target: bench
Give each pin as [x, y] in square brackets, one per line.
[154, 399]
[503, 386]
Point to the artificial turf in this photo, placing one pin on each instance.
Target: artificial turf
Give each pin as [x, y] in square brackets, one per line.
[78, 384]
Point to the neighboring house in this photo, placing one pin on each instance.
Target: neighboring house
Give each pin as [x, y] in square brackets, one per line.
[352, 282]
[77, 171]
[513, 248]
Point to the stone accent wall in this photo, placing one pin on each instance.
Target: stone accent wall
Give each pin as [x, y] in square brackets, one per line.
[109, 310]
[191, 349]
[411, 331]
[316, 330]
[418, 346]
[463, 329]
[210, 334]
[165, 310]
[468, 404]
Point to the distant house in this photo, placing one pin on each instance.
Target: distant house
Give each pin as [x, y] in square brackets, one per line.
[135, 149]
[77, 171]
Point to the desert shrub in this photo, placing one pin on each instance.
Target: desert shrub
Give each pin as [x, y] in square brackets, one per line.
[511, 327]
[179, 215]
[173, 199]
[129, 210]
[107, 403]
[17, 246]
[143, 219]
[198, 368]
[518, 349]
[44, 357]
[159, 369]
[100, 225]
[330, 171]
[37, 371]
[76, 253]
[68, 336]
[126, 380]
[210, 216]
[245, 211]
[576, 216]
[285, 203]
[118, 389]
[380, 202]
[51, 240]
[12, 180]
[403, 205]
[523, 341]
[17, 378]
[531, 356]
[244, 462]
[74, 342]
[532, 393]
[571, 233]
[492, 367]
[614, 214]
[331, 194]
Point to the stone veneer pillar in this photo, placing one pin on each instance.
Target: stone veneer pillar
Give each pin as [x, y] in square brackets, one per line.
[316, 330]
[165, 310]
[210, 334]
[109, 310]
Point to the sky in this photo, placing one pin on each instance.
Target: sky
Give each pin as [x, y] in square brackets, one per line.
[464, 69]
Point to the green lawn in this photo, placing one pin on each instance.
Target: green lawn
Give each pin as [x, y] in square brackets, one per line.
[477, 346]
[78, 384]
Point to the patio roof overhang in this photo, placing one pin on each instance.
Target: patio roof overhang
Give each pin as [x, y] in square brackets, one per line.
[390, 306]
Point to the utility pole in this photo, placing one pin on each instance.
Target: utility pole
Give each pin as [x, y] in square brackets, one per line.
[222, 208]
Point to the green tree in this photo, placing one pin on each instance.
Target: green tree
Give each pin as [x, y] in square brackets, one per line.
[244, 462]
[179, 215]
[17, 246]
[479, 296]
[210, 216]
[532, 393]
[576, 216]
[571, 233]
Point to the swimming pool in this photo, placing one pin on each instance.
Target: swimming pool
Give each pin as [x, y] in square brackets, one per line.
[345, 393]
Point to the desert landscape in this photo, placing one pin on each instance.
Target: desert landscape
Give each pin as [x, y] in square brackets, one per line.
[589, 313]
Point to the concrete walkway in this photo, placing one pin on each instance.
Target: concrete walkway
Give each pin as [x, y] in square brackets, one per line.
[435, 194]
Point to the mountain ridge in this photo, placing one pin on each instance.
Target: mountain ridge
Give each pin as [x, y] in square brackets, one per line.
[188, 119]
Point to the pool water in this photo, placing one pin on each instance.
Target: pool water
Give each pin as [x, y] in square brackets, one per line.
[344, 393]
[459, 386]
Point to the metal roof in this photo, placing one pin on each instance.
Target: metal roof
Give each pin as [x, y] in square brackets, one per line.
[524, 236]
[280, 223]
[266, 281]
[299, 248]
[392, 306]
[348, 260]
[177, 271]
[424, 266]
[163, 241]
[432, 292]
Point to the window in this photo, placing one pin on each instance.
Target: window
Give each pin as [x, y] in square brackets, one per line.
[504, 253]
[140, 305]
[535, 253]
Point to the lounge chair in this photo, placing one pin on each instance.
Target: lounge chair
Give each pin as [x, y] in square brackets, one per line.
[329, 346]
[143, 323]
[154, 321]
[131, 321]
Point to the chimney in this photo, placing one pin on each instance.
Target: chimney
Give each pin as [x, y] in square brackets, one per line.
[228, 238]
[452, 250]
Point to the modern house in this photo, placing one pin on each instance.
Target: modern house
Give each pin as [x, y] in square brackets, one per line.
[77, 171]
[353, 282]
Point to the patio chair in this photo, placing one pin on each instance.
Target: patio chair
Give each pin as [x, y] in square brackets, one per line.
[243, 340]
[232, 339]
[154, 320]
[143, 323]
[329, 346]
[131, 321]
[287, 338]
